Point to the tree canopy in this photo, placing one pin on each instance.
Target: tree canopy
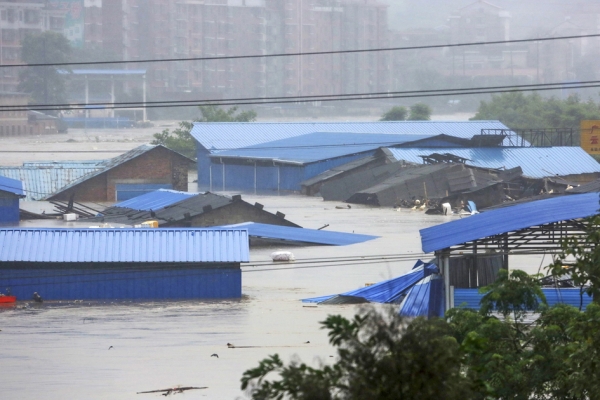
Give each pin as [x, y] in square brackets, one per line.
[181, 140]
[416, 112]
[45, 85]
[496, 352]
[521, 111]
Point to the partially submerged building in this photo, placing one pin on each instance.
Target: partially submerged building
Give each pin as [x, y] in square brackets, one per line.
[11, 191]
[216, 137]
[181, 209]
[123, 264]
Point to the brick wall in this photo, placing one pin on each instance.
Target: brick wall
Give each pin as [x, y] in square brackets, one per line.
[159, 165]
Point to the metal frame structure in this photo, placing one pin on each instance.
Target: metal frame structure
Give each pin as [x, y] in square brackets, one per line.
[535, 137]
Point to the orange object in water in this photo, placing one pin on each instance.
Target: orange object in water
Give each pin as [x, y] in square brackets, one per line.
[8, 299]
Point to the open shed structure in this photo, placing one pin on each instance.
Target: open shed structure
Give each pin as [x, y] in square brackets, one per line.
[534, 227]
[123, 264]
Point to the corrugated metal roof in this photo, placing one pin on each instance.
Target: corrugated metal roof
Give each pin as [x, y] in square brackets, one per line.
[216, 136]
[330, 173]
[65, 164]
[301, 234]
[425, 299]
[317, 146]
[124, 245]
[589, 187]
[155, 200]
[112, 163]
[508, 219]
[13, 186]
[382, 292]
[536, 162]
[39, 182]
[470, 298]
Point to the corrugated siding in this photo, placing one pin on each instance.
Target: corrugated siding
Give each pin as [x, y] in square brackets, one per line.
[509, 219]
[155, 200]
[425, 299]
[233, 135]
[40, 182]
[470, 298]
[139, 283]
[123, 245]
[9, 210]
[536, 162]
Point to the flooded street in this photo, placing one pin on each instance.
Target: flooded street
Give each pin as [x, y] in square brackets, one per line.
[61, 350]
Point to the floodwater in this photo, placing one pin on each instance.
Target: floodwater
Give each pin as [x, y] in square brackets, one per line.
[61, 350]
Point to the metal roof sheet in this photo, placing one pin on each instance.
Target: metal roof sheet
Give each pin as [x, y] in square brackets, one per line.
[593, 186]
[471, 298]
[39, 182]
[508, 219]
[155, 200]
[215, 136]
[425, 299]
[330, 173]
[301, 234]
[191, 245]
[317, 146]
[536, 162]
[13, 186]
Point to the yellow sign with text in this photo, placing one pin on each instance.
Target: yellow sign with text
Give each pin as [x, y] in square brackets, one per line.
[590, 136]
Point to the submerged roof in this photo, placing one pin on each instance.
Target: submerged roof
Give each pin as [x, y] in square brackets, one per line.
[39, 182]
[13, 186]
[301, 234]
[155, 200]
[536, 162]
[317, 146]
[182, 245]
[508, 219]
[217, 136]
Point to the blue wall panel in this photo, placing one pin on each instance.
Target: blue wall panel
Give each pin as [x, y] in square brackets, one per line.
[117, 284]
[470, 298]
[203, 164]
[9, 210]
[267, 178]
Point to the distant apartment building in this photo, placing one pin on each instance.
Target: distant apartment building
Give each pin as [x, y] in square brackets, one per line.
[18, 18]
[159, 29]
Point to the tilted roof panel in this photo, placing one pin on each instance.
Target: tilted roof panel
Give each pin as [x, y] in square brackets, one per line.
[13, 186]
[124, 245]
[155, 200]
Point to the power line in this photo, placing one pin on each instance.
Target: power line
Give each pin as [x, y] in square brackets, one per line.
[322, 98]
[307, 98]
[313, 53]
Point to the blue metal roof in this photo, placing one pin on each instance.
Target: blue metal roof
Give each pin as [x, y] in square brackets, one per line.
[316, 146]
[13, 186]
[301, 234]
[536, 162]
[425, 299]
[155, 200]
[388, 291]
[215, 136]
[509, 219]
[107, 71]
[39, 182]
[124, 245]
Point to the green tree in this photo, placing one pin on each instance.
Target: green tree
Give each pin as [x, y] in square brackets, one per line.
[419, 112]
[582, 256]
[45, 85]
[396, 113]
[380, 356]
[521, 111]
[182, 141]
